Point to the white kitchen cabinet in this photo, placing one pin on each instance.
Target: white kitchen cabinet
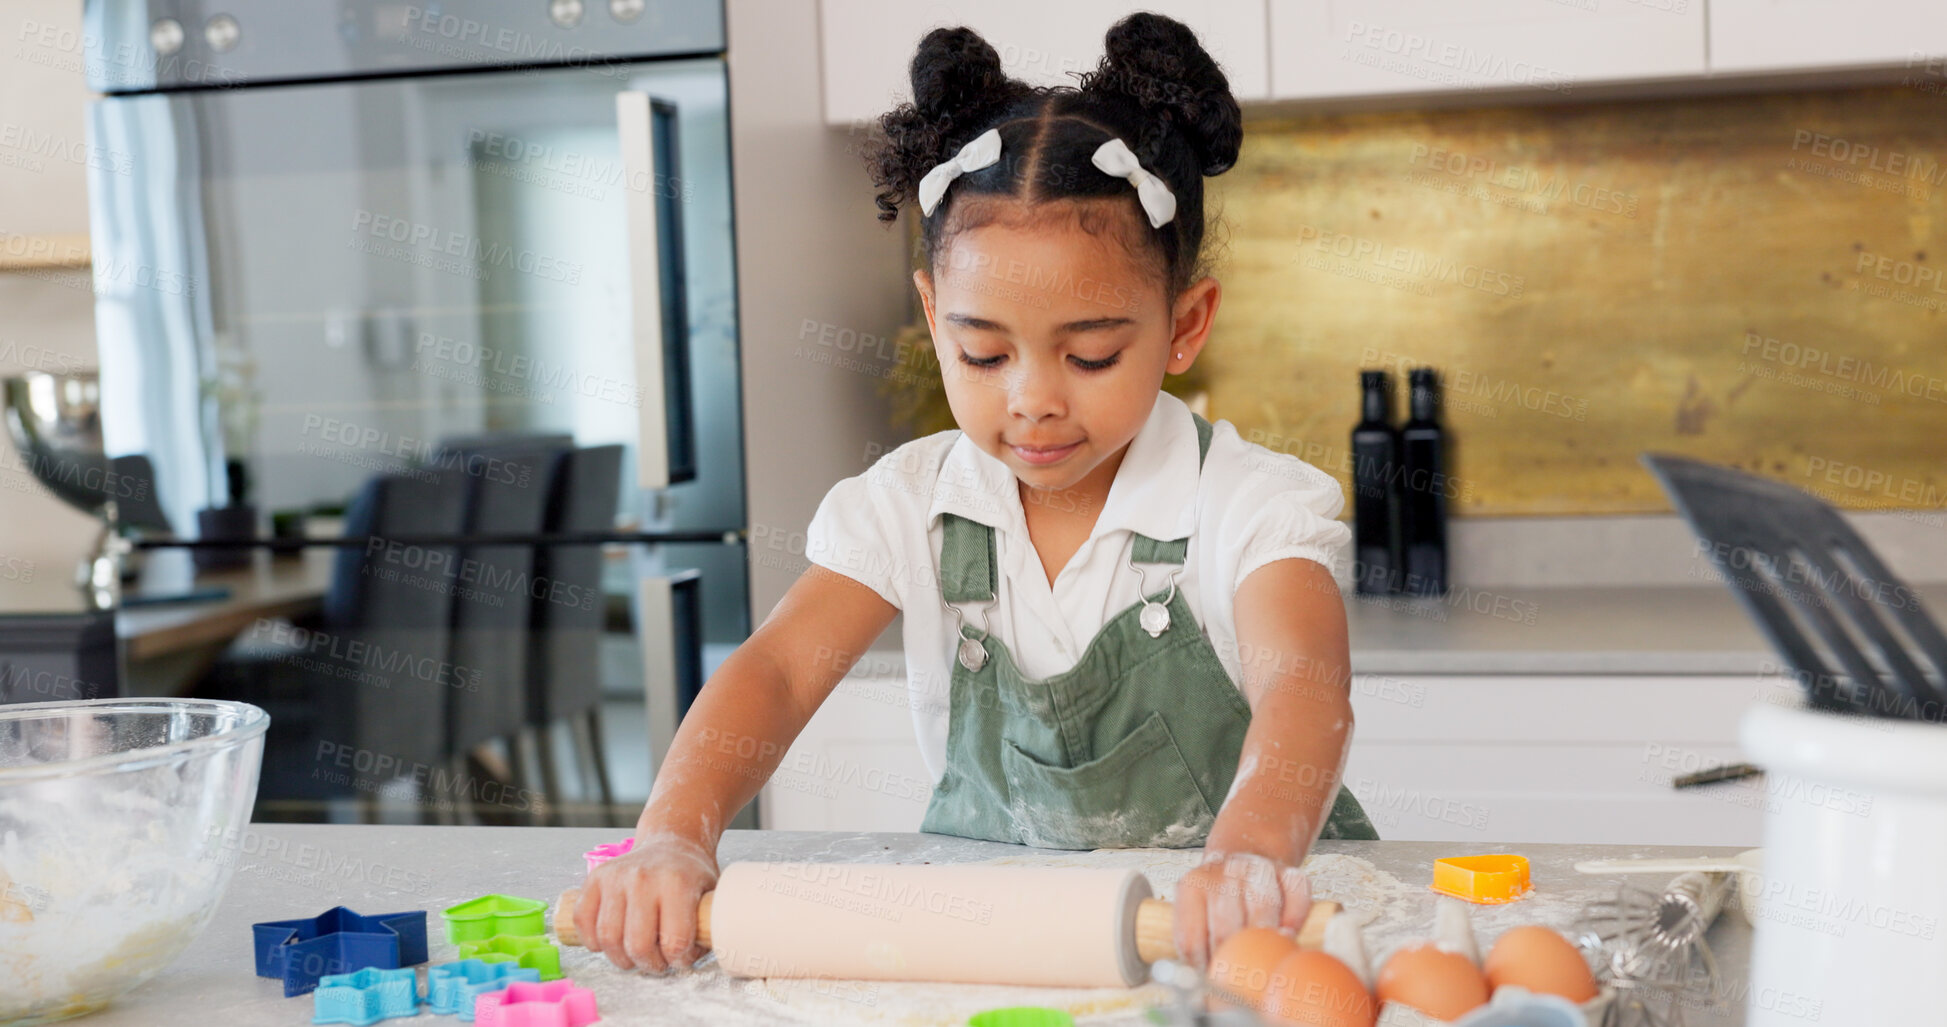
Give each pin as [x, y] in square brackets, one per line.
[1572, 758]
[45, 152]
[1470, 759]
[1794, 35]
[868, 44]
[1324, 49]
[856, 765]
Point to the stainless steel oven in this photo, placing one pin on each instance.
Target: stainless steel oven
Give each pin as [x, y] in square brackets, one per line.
[360, 238]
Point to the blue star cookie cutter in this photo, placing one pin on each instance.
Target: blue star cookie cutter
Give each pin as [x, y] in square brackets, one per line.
[452, 987]
[336, 942]
[366, 997]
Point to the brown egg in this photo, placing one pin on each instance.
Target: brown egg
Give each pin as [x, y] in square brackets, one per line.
[1316, 990]
[1242, 965]
[1441, 984]
[1541, 961]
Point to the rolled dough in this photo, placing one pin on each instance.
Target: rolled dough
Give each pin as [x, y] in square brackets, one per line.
[975, 924]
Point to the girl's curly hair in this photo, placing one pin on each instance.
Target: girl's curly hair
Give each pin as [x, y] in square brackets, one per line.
[1156, 88]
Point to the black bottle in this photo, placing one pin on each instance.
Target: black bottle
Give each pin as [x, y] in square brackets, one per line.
[1375, 496]
[1423, 489]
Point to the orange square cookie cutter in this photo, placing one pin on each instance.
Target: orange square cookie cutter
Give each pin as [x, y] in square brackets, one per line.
[1488, 880]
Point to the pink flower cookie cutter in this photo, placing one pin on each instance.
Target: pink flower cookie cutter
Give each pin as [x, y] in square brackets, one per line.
[554, 1004]
[603, 853]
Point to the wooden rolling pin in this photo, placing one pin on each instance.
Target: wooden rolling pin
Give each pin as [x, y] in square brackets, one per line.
[981, 924]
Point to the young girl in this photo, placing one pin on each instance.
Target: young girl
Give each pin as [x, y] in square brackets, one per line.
[1120, 624]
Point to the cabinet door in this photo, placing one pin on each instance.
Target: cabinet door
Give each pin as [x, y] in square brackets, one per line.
[45, 150]
[856, 765]
[1779, 35]
[1570, 759]
[1344, 48]
[869, 44]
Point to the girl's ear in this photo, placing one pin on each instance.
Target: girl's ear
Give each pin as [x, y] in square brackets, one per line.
[1192, 315]
[924, 283]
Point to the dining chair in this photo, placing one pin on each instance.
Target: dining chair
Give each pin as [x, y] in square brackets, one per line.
[506, 486]
[358, 698]
[564, 680]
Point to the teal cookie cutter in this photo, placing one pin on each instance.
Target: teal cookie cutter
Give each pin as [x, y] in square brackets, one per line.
[452, 987]
[491, 915]
[533, 952]
[366, 997]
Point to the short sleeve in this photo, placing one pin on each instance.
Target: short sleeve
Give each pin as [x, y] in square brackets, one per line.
[1293, 513]
[850, 534]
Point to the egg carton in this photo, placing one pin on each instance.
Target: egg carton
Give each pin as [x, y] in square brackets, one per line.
[1190, 997]
[1510, 1007]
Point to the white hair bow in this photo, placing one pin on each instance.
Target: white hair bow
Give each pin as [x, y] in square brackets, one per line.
[1158, 202]
[985, 149]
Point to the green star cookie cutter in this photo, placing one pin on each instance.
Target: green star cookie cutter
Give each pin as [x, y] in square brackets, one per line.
[491, 915]
[532, 951]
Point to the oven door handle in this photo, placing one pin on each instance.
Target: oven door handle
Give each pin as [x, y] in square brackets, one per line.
[635, 129]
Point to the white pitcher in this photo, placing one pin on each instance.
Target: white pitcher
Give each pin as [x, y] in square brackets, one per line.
[1851, 915]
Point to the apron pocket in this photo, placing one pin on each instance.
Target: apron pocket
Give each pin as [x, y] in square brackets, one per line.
[1138, 794]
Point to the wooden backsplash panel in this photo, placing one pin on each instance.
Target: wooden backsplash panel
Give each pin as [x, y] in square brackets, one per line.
[1750, 280]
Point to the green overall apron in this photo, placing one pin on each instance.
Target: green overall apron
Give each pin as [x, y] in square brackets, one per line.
[1134, 746]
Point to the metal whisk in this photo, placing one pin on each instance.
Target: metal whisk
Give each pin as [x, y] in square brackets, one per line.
[1653, 950]
[1188, 990]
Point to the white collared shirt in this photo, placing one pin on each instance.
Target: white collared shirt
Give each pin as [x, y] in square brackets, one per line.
[1251, 506]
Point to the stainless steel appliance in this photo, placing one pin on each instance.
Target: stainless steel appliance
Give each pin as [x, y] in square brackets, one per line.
[359, 238]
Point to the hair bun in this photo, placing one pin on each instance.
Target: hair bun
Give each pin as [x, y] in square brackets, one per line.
[958, 87]
[957, 76]
[1157, 62]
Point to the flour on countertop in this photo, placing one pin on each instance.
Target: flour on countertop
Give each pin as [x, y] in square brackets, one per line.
[707, 997]
[1390, 910]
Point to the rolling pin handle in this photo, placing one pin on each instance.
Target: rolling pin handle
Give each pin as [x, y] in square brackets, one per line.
[1156, 928]
[1312, 934]
[564, 919]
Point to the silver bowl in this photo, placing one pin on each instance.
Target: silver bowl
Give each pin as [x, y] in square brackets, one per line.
[55, 421]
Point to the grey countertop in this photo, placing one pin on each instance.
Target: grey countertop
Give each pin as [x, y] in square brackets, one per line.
[1700, 629]
[286, 871]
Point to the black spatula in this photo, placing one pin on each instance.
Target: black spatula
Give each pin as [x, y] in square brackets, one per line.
[1858, 636]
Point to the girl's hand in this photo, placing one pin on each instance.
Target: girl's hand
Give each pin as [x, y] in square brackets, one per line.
[639, 909]
[1230, 891]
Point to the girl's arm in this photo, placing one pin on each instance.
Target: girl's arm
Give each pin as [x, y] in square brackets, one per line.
[640, 910]
[1296, 670]
[741, 723]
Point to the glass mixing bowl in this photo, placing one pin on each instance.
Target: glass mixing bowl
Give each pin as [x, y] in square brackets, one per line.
[119, 821]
